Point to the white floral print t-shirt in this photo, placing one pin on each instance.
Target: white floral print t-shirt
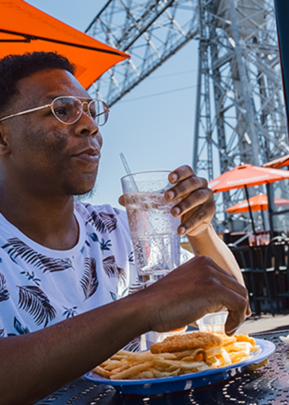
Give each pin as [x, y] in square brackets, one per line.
[40, 287]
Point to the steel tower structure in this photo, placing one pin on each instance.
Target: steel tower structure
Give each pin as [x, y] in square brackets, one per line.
[240, 115]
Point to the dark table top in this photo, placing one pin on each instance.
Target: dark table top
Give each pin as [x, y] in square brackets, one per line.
[267, 385]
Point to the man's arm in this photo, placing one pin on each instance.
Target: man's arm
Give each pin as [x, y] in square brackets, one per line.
[209, 244]
[36, 364]
[195, 205]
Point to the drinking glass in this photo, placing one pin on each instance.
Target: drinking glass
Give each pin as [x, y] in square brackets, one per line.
[153, 228]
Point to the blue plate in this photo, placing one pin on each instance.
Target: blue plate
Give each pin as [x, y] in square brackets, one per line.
[185, 382]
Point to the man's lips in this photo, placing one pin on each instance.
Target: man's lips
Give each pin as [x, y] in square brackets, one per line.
[88, 155]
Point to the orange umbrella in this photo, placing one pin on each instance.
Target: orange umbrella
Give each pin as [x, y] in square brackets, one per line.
[257, 203]
[280, 162]
[247, 176]
[24, 28]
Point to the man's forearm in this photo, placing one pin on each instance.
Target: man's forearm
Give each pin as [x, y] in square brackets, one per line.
[209, 244]
[36, 364]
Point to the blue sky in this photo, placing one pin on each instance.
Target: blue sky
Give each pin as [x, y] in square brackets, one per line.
[153, 130]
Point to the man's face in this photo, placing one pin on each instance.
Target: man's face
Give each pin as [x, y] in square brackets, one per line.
[45, 154]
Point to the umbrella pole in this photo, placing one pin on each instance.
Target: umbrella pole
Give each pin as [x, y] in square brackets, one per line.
[263, 218]
[270, 196]
[250, 211]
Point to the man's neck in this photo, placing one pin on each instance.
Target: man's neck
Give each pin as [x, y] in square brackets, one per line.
[50, 222]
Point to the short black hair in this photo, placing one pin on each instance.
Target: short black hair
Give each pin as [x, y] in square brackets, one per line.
[16, 67]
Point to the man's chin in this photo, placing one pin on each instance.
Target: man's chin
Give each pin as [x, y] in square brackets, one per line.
[85, 195]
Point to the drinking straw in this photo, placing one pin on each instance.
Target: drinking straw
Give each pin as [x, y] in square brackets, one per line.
[128, 171]
[125, 164]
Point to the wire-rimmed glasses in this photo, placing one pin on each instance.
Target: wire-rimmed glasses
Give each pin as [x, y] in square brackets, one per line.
[68, 110]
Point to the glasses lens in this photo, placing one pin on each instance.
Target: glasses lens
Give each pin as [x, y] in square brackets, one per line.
[67, 109]
[98, 112]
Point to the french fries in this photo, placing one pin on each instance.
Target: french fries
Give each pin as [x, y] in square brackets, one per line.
[126, 365]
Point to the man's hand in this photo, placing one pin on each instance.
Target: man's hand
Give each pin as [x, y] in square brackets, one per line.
[191, 291]
[196, 207]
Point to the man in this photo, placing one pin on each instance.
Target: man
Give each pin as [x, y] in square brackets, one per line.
[60, 258]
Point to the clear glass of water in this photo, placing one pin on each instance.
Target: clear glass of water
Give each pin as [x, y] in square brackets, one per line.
[153, 228]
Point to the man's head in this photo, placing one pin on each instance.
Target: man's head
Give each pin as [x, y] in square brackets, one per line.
[16, 67]
[38, 152]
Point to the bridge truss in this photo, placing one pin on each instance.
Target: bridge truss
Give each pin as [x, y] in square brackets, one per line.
[240, 115]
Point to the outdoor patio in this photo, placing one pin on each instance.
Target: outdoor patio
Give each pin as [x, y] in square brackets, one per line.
[264, 323]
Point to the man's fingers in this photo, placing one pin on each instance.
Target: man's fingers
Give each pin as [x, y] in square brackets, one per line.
[186, 187]
[193, 200]
[214, 271]
[231, 294]
[199, 215]
[237, 306]
[248, 312]
[205, 287]
[234, 297]
[234, 321]
[233, 286]
[121, 200]
[180, 173]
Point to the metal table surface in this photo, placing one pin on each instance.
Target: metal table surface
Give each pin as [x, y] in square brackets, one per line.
[267, 385]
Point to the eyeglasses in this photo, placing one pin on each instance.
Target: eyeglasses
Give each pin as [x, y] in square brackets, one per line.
[69, 109]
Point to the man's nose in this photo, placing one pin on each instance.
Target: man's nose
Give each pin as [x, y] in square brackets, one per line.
[86, 125]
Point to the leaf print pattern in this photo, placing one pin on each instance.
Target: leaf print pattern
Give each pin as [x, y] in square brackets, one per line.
[124, 293]
[93, 236]
[111, 269]
[89, 281]
[31, 277]
[69, 312]
[19, 328]
[105, 245]
[131, 257]
[15, 247]
[4, 294]
[113, 296]
[33, 300]
[103, 221]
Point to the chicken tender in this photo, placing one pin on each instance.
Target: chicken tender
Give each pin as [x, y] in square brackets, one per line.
[194, 340]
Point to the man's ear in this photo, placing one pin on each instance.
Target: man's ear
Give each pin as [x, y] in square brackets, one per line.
[4, 146]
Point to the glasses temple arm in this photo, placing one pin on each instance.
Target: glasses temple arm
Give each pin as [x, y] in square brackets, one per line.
[25, 112]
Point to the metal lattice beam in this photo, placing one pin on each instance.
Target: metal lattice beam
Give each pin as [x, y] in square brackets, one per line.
[240, 115]
[151, 32]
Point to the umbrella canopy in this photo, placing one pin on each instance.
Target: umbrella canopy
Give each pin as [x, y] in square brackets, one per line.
[24, 28]
[246, 175]
[257, 203]
[280, 162]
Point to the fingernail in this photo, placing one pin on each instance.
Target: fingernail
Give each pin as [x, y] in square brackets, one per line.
[170, 195]
[176, 210]
[182, 230]
[173, 178]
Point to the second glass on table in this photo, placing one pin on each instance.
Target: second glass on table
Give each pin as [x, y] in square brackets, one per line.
[153, 228]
